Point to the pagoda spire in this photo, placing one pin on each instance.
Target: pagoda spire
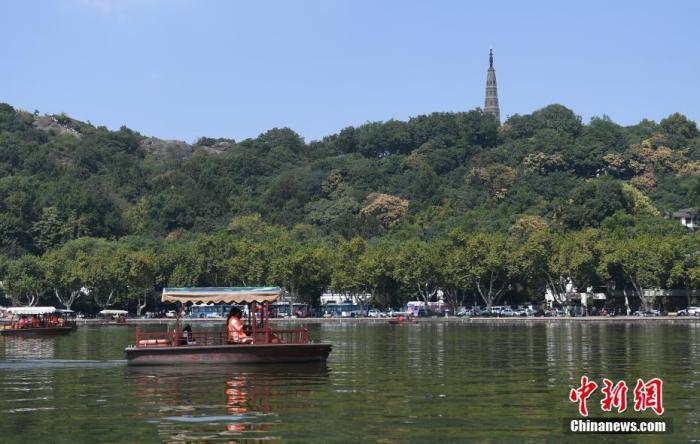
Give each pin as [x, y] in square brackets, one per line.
[491, 100]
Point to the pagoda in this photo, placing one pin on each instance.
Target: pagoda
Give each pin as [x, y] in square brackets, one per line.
[491, 100]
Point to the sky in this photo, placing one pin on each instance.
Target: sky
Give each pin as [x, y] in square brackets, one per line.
[182, 69]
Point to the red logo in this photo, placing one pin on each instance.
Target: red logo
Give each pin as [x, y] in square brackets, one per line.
[647, 395]
[582, 393]
[615, 396]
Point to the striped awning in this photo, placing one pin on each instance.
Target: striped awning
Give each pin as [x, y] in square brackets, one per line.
[229, 295]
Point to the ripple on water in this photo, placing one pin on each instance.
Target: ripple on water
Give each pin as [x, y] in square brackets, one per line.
[456, 382]
[30, 364]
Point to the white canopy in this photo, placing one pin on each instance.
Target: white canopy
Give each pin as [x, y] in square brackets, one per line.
[113, 312]
[30, 310]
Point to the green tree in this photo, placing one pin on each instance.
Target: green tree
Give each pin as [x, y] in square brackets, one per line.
[49, 230]
[642, 262]
[347, 274]
[572, 259]
[24, 281]
[104, 275]
[64, 275]
[487, 264]
[417, 267]
[248, 263]
[140, 277]
[378, 266]
[298, 266]
[685, 270]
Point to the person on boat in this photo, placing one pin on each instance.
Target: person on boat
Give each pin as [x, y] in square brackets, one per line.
[401, 318]
[23, 322]
[234, 327]
[187, 337]
[35, 321]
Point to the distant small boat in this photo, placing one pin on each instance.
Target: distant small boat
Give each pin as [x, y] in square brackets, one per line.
[113, 317]
[402, 320]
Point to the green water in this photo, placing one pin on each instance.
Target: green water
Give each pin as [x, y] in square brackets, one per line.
[430, 382]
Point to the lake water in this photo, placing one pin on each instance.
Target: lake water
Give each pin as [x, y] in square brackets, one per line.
[430, 382]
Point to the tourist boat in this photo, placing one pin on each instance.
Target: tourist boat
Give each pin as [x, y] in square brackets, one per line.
[38, 321]
[213, 347]
[113, 317]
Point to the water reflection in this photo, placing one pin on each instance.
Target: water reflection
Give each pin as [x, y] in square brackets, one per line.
[21, 347]
[222, 403]
[459, 382]
[236, 401]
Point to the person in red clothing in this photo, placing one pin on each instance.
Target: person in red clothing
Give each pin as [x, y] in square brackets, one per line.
[23, 322]
[234, 327]
[35, 322]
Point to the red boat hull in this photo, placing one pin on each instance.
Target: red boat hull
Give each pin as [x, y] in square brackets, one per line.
[37, 331]
[228, 354]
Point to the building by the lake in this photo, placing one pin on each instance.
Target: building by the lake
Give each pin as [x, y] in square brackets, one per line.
[688, 217]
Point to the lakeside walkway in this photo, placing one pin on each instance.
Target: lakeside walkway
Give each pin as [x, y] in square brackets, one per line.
[451, 319]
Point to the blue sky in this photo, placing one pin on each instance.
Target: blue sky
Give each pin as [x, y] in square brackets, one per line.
[183, 69]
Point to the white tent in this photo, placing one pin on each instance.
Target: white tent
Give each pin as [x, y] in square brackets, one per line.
[114, 312]
[31, 310]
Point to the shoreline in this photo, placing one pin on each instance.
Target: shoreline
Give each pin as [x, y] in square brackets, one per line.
[431, 320]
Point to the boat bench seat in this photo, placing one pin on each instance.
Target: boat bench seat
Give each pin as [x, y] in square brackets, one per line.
[154, 342]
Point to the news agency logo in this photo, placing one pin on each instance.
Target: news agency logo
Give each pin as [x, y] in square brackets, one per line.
[617, 425]
[648, 396]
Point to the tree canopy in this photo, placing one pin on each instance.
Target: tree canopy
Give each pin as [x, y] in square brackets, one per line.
[398, 209]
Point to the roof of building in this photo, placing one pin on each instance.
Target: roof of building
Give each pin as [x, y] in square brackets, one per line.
[686, 212]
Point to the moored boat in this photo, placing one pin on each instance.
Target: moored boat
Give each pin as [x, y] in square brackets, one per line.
[37, 321]
[182, 345]
[113, 317]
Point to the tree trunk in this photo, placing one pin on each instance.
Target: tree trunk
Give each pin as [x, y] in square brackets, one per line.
[294, 290]
[426, 293]
[30, 299]
[639, 290]
[27, 300]
[624, 292]
[557, 287]
[455, 298]
[103, 304]
[141, 305]
[489, 294]
[70, 300]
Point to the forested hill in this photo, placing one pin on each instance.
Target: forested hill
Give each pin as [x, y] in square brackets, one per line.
[62, 179]
[94, 218]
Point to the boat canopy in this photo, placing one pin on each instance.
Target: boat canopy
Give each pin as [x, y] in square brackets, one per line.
[113, 312]
[229, 295]
[31, 310]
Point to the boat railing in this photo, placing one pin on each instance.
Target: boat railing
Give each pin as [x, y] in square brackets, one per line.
[218, 337]
[289, 336]
[15, 325]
